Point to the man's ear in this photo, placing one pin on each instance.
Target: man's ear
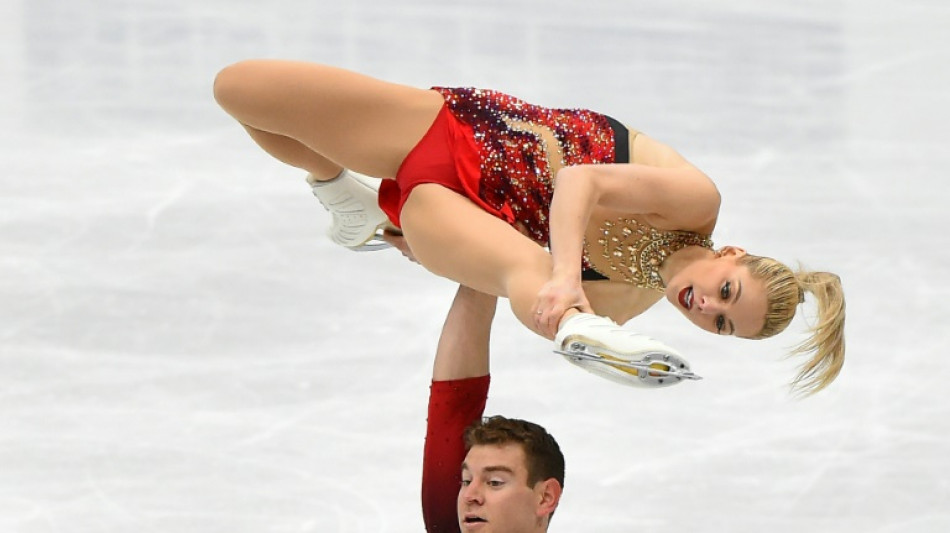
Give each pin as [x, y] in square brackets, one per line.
[549, 491]
[731, 251]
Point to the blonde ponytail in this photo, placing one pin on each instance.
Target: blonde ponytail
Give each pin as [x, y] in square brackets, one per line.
[786, 289]
[826, 342]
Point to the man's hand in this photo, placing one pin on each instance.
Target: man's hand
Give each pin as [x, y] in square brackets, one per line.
[396, 239]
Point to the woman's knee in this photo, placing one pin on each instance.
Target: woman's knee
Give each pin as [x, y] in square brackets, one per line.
[229, 82]
[246, 85]
[237, 86]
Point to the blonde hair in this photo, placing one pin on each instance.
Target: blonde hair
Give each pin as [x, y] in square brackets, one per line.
[786, 289]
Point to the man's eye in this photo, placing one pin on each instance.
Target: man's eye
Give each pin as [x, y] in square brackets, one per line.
[496, 483]
[726, 290]
[720, 323]
[466, 482]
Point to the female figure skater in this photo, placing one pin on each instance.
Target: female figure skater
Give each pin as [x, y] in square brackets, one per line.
[481, 183]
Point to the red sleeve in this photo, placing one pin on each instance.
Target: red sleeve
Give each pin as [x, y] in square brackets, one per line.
[453, 406]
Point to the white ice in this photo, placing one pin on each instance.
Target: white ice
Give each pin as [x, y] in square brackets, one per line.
[181, 350]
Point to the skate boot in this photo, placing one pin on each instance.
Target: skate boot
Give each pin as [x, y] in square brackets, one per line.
[358, 221]
[600, 346]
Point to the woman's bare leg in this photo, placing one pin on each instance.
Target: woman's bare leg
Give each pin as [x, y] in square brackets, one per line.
[294, 153]
[456, 239]
[322, 118]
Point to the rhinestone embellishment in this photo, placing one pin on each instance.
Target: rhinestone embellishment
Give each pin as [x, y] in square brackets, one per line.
[635, 251]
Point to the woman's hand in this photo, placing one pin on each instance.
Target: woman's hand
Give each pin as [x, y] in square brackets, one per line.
[554, 299]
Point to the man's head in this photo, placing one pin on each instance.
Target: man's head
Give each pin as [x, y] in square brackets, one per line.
[512, 477]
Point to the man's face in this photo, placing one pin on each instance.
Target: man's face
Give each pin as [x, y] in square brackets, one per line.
[495, 496]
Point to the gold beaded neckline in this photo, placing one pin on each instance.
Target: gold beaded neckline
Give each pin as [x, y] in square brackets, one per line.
[636, 251]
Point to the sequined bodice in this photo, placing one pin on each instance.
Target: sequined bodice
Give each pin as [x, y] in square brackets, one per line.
[635, 251]
[522, 146]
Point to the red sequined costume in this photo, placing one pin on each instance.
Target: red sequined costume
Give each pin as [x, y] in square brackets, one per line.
[453, 406]
[497, 150]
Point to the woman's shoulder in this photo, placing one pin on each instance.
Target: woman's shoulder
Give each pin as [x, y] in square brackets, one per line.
[646, 150]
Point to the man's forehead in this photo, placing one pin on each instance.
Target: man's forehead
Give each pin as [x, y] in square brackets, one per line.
[493, 456]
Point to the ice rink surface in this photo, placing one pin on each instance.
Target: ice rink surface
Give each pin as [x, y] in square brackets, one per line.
[181, 350]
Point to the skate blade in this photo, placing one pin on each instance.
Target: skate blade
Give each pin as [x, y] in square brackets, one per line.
[373, 244]
[653, 366]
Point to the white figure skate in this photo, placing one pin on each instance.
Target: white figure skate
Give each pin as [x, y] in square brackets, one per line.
[358, 222]
[600, 346]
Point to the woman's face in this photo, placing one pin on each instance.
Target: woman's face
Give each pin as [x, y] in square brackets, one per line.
[719, 295]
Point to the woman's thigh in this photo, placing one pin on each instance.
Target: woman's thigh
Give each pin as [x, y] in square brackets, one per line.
[356, 121]
[454, 238]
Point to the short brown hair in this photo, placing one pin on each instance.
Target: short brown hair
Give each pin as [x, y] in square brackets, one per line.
[542, 453]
